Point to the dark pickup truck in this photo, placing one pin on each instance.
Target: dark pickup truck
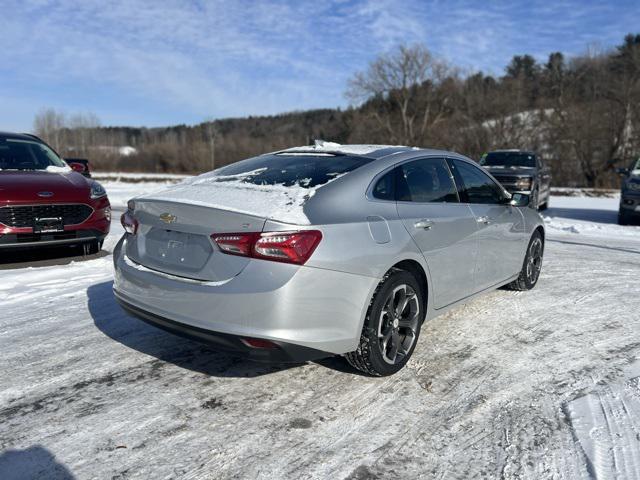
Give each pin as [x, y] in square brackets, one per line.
[629, 211]
[520, 172]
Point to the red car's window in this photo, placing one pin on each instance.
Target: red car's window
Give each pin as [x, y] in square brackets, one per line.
[25, 155]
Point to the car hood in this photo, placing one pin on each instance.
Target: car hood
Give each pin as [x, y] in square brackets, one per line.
[516, 171]
[25, 187]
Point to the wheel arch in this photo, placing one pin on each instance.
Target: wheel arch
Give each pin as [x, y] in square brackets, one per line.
[418, 271]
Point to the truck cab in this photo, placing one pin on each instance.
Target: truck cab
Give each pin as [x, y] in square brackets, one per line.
[520, 171]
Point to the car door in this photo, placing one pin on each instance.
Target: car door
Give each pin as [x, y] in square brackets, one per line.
[500, 225]
[442, 227]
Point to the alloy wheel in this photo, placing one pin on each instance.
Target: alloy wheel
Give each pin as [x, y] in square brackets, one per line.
[398, 325]
[534, 261]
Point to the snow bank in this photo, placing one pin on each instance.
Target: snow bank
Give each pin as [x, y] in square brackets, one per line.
[592, 216]
[138, 177]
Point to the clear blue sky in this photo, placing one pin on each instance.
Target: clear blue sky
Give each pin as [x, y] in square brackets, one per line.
[166, 62]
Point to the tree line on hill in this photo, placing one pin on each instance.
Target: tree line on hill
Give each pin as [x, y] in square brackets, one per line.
[582, 114]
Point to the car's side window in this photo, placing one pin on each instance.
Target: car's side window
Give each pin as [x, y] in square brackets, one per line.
[425, 180]
[385, 187]
[474, 185]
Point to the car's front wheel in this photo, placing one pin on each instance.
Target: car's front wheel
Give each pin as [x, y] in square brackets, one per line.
[392, 325]
[532, 265]
[622, 219]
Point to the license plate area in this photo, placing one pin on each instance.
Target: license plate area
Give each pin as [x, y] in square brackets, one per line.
[48, 225]
[180, 251]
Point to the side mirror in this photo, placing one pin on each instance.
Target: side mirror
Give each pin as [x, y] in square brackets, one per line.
[520, 200]
[622, 171]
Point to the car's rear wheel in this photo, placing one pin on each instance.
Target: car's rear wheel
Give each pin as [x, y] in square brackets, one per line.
[392, 325]
[532, 265]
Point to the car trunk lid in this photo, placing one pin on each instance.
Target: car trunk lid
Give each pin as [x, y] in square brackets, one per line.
[175, 238]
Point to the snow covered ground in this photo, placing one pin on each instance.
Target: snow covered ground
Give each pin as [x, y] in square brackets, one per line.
[540, 384]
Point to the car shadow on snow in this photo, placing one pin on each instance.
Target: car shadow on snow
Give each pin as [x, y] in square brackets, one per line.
[112, 320]
[44, 257]
[584, 214]
[33, 462]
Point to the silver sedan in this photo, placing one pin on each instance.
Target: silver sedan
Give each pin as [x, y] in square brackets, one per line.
[325, 250]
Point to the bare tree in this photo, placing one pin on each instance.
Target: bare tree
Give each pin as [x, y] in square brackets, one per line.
[407, 80]
[48, 125]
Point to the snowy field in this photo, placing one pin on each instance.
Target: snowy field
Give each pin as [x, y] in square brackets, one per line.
[541, 384]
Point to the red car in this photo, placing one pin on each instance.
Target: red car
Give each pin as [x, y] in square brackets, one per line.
[44, 202]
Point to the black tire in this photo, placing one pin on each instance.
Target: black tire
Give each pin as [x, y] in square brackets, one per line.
[545, 205]
[622, 219]
[528, 278]
[401, 331]
[91, 248]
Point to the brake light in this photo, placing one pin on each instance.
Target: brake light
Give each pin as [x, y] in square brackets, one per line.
[77, 167]
[288, 247]
[258, 343]
[129, 223]
[236, 243]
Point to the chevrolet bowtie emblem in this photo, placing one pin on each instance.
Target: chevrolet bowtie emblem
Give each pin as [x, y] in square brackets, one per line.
[168, 218]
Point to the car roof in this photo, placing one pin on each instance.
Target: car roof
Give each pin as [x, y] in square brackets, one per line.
[372, 151]
[18, 136]
[357, 150]
[513, 150]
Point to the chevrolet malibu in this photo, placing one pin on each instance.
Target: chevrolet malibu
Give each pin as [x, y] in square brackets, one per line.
[324, 250]
[44, 202]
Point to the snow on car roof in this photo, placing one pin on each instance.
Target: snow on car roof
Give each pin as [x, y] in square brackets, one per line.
[322, 146]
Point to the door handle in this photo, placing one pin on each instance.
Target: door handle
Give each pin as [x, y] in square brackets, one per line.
[424, 224]
[484, 219]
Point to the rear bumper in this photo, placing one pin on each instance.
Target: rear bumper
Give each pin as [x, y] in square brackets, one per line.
[320, 310]
[283, 353]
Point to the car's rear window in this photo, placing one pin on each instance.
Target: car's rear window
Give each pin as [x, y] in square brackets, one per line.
[307, 171]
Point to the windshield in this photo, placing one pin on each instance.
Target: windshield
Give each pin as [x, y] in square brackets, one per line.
[508, 159]
[305, 170]
[16, 154]
[635, 167]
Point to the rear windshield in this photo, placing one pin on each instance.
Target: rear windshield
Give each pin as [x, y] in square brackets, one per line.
[307, 171]
[508, 159]
[16, 154]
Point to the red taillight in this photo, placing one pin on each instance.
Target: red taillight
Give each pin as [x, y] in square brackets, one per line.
[258, 343]
[77, 167]
[236, 243]
[295, 247]
[129, 223]
[289, 247]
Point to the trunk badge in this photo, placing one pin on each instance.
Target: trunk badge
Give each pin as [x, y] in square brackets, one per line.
[168, 218]
[45, 194]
